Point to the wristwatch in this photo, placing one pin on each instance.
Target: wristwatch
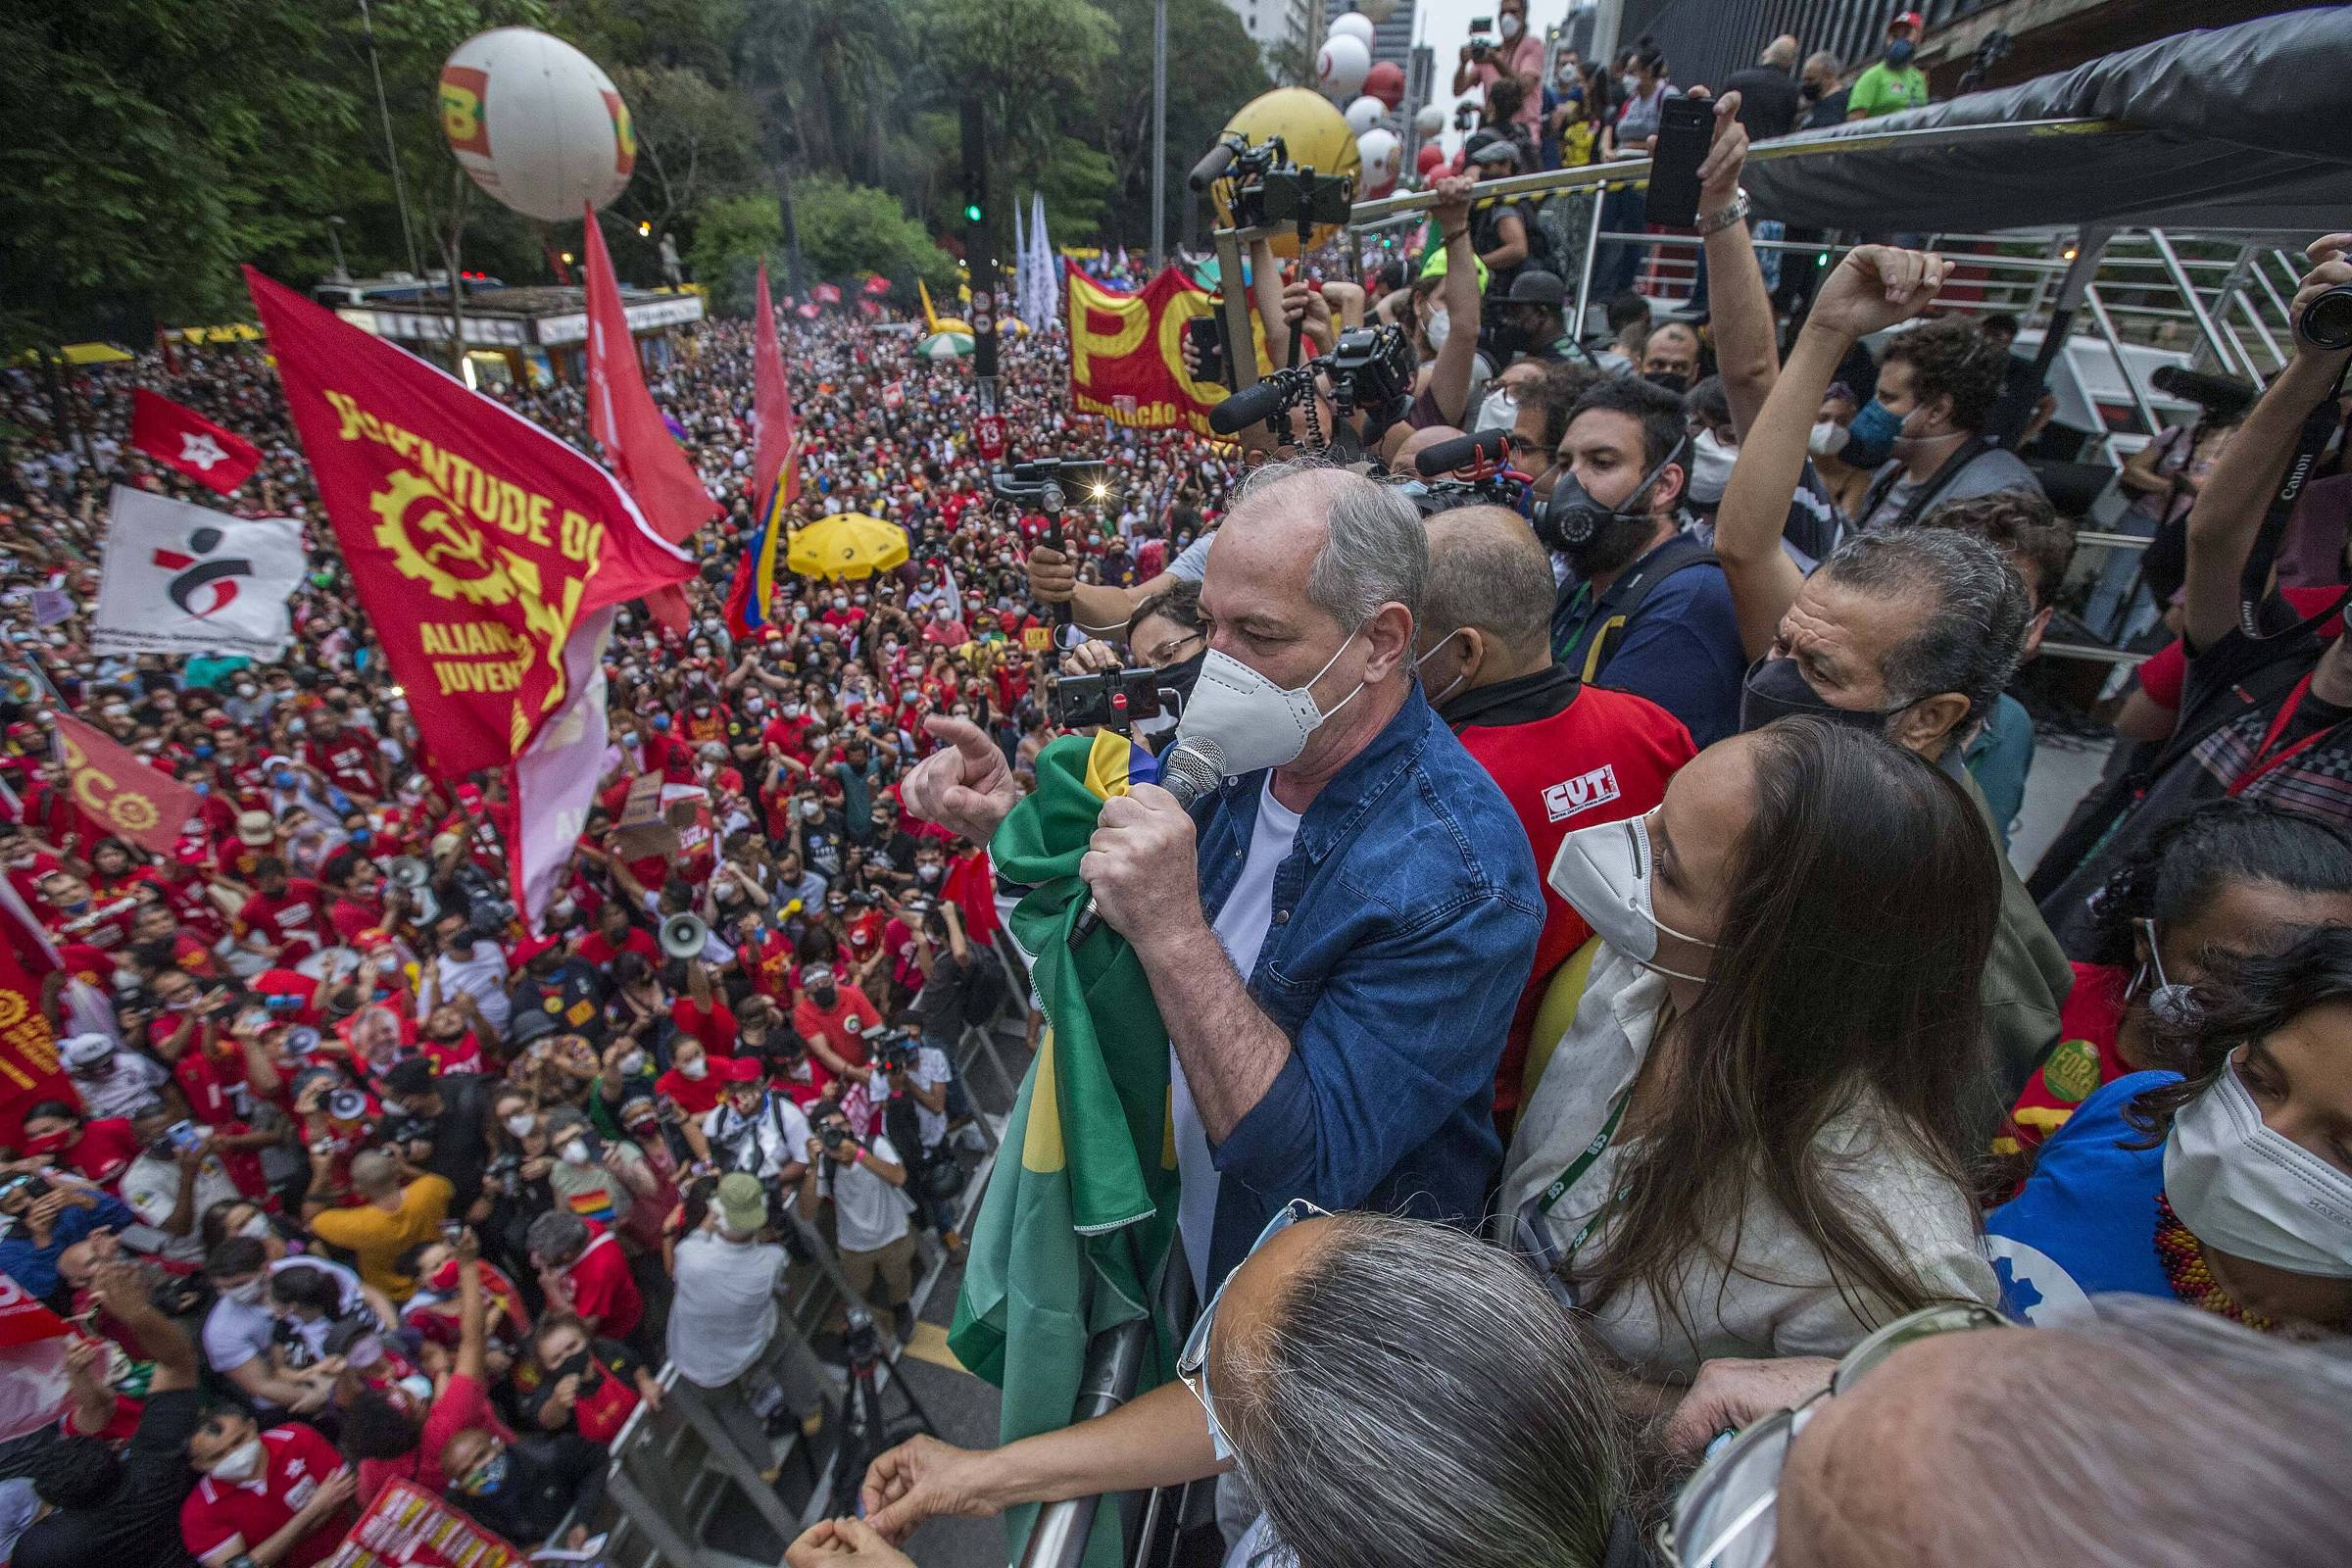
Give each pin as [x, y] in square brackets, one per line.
[1716, 222]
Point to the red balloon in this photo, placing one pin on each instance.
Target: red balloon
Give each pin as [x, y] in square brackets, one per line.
[1385, 82]
[1428, 157]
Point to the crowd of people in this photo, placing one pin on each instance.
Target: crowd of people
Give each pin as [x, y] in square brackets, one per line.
[1618, 1079]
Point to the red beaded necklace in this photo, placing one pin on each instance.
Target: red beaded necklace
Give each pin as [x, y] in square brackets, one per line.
[2190, 1276]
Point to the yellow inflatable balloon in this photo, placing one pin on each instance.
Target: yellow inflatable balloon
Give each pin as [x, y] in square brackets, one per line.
[1314, 133]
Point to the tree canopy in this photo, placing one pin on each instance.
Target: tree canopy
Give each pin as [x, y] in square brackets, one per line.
[161, 144]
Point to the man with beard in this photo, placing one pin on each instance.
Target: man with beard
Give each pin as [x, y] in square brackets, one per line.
[1644, 608]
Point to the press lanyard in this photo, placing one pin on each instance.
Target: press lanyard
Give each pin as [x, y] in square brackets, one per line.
[2264, 758]
[1583, 1163]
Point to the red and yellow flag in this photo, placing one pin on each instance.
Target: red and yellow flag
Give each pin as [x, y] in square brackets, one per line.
[477, 540]
[121, 793]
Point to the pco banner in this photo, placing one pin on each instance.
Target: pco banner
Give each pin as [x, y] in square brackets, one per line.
[1127, 352]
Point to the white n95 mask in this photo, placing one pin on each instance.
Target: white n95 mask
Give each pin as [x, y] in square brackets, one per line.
[1255, 723]
[1604, 872]
[2254, 1192]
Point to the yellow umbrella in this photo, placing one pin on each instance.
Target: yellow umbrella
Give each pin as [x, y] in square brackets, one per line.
[847, 544]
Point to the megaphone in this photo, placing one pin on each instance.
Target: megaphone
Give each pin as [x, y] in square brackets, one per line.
[408, 871]
[683, 936]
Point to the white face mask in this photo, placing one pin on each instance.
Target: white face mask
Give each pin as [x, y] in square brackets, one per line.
[240, 1462]
[694, 1069]
[1435, 698]
[633, 1063]
[1500, 412]
[574, 1152]
[1440, 324]
[1710, 467]
[1508, 24]
[1605, 873]
[1827, 438]
[257, 1228]
[2254, 1192]
[521, 1126]
[1255, 723]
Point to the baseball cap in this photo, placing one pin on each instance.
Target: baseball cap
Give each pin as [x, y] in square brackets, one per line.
[85, 1051]
[742, 1205]
[1535, 286]
[1489, 147]
[255, 829]
[1909, 19]
[738, 1069]
[412, 1075]
[530, 947]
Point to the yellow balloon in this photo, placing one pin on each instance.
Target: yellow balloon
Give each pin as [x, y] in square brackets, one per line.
[1313, 131]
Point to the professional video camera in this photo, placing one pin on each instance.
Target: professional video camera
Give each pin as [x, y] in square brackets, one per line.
[896, 1051]
[2221, 397]
[1471, 471]
[1266, 187]
[1369, 370]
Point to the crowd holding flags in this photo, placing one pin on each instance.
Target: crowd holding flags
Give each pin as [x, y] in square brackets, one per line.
[775, 456]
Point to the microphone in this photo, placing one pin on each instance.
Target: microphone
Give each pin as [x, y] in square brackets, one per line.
[1212, 166]
[2222, 397]
[1486, 446]
[1188, 772]
[1253, 405]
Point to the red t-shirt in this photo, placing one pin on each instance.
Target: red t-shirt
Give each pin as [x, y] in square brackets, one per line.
[716, 1029]
[2164, 672]
[2084, 1058]
[1603, 757]
[841, 1026]
[297, 1460]
[461, 1404]
[596, 951]
[697, 1097]
[103, 1151]
[601, 1287]
[291, 920]
[348, 761]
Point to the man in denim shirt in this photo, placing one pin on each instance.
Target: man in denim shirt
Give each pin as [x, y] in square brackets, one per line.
[1374, 887]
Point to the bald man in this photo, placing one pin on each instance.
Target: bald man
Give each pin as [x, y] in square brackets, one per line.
[1566, 755]
[1767, 89]
[1337, 938]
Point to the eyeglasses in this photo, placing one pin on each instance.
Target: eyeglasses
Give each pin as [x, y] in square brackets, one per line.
[1724, 1515]
[1192, 1366]
[1165, 652]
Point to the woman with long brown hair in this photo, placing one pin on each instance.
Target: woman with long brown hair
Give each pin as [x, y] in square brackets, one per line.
[1753, 1137]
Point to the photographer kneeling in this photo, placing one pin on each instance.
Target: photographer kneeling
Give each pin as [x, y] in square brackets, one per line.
[1396, 1393]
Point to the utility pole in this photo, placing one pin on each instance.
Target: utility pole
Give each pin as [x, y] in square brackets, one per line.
[1159, 132]
[980, 250]
[400, 186]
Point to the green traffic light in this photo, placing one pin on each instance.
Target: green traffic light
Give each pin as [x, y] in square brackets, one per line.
[971, 211]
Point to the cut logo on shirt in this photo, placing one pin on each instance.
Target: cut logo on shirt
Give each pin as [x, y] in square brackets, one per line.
[1582, 792]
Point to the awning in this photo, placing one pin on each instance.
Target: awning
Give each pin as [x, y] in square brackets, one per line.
[234, 332]
[94, 354]
[2229, 128]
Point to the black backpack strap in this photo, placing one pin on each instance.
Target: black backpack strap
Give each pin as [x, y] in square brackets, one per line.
[1625, 597]
[1925, 496]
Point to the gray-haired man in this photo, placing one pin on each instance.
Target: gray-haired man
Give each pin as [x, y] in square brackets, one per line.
[1337, 935]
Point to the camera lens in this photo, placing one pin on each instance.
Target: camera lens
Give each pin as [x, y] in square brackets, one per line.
[2328, 320]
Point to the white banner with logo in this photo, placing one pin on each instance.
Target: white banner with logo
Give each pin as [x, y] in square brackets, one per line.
[178, 578]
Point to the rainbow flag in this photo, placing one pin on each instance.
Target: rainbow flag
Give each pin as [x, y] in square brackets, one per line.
[776, 459]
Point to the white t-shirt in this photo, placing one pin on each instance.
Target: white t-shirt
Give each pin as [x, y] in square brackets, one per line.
[151, 1187]
[725, 1310]
[778, 1134]
[1241, 928]
[928, 1070]
[868, 1212]
[235, 1333]
[482, 975]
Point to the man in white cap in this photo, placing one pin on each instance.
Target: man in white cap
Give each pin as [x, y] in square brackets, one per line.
[729, 1282]
[109, 1080]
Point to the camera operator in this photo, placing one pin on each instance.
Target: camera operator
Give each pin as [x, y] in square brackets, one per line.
[911, 1085]
[1518, 58]
[754, 1128]
[867, 1184]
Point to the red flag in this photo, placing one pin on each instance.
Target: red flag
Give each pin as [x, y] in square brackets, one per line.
[826, 293]
[621, 414]
[119, 793]
[476, 539]
[186, 442]
[877, 285]
[28, 1070]
[772, 409]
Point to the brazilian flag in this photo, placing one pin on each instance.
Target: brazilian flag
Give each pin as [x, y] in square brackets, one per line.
[1070, 1239]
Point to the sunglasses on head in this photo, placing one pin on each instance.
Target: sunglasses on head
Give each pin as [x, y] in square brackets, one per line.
[1726, 1514]
[1192, 1366]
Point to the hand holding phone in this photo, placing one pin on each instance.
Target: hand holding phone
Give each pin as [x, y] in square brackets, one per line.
[1686, 128]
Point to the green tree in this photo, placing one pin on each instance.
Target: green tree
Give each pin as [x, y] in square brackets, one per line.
[696, 140]
[846, 230]
[1213, 68]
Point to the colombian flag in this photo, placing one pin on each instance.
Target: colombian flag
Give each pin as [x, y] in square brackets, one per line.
[1069, 1240]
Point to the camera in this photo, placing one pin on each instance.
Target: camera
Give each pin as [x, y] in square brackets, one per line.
[1371, 369]
[1112, 700]
[396, 1129]
[896, 1053]
[504, 1174]
[2327, 320]
[1052, 481]
[835, 1140]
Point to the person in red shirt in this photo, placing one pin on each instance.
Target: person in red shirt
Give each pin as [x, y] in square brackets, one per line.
[1566, 755]
[77, 915]
[583, 1271]
[765, 959]
[99, 1150]
[357, 904]
[285, 919]
[696, 1077]
[281, 1496]
[347, 758]
[399, 1442]
[833, 1019]
[702, 1013]
[614, 934]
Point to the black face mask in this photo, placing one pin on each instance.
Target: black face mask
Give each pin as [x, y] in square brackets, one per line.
[1674, 381]
[1809, 91]
[1181, 676]
[1775, 688]
[823, 995]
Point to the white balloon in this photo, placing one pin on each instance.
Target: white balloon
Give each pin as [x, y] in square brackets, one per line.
[1382, 153]
[1341, 65]
[1365, 112]
[1350, 25]
[537, 124]
[1431, 119]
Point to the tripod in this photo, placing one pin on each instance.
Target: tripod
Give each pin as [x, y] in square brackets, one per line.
[865, 1428]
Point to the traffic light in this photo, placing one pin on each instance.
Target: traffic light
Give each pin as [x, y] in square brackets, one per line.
[971, 211]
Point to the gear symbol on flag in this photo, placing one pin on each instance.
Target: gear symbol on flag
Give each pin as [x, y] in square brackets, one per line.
[13, 1008]
[132, 813]
[448, 539]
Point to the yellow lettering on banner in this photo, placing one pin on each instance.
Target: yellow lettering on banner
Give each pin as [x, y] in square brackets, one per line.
[454, 679]
[23, 1079]
[348, 412]
[582, 537]
[1183, 306]
[541, 506]
[1085, 344]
